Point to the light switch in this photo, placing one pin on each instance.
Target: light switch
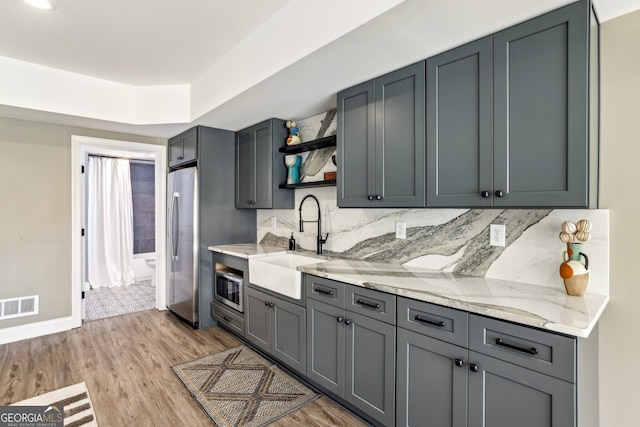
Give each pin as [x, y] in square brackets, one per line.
[401, 230]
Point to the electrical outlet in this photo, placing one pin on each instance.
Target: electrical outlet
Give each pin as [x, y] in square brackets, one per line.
[274, 222]
[401, 230]
[497, 234]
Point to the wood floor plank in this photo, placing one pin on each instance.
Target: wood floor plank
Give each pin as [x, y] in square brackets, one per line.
[126, 363]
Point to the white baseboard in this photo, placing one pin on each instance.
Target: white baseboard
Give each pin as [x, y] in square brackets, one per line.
[33, 330]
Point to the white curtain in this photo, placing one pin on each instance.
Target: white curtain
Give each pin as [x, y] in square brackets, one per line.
[110, 223]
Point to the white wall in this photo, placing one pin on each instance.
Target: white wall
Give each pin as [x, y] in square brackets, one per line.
[620, 177]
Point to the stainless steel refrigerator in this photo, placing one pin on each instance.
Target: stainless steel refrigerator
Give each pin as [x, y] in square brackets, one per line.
[182, 223]
[201, 213]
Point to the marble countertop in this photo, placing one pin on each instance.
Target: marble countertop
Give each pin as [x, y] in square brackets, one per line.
[247, 250]
[539, 306]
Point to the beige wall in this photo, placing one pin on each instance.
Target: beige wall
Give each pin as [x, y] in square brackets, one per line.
[35, 213]
[620, 177]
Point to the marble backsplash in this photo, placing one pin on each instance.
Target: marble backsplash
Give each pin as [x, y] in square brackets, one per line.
[455, 240]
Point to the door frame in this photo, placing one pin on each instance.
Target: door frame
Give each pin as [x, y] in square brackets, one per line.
[81, 147]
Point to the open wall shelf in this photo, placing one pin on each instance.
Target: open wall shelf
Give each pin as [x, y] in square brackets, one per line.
[328, 141]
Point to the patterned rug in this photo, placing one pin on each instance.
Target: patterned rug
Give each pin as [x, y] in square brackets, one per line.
[109, 302]
[73, 400]
[240, 388]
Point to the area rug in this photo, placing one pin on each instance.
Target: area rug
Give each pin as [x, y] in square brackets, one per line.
[240, 388]
[73, 400]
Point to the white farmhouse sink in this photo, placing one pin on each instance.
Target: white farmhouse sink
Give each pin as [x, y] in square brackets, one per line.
[278, 273]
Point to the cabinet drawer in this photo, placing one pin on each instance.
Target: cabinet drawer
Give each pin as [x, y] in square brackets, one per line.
[530, 348]
[370, 303]
[228, 319]
[325, 290]
[443, 323]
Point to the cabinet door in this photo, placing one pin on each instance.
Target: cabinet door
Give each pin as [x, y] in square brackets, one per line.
[400, 138]
[263, 197]
[326, 346]
[460, 126]
[540, 117]
[356, 146]
[289, 334]
[189, 140]
[245, 170]
[371, 365]
[505, 395]
[258, 319]
[175, 151]
[430, 385]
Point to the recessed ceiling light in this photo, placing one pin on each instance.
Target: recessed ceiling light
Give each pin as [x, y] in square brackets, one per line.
[41, 4]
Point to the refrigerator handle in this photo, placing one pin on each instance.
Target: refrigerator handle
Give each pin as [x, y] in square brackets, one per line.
[175, 220]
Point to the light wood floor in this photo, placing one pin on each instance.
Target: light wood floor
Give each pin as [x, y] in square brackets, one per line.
[126, 362]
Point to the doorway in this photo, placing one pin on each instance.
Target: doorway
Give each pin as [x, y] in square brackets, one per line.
[82, 147]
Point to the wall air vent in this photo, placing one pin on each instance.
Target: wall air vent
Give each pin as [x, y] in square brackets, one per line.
[18, 307]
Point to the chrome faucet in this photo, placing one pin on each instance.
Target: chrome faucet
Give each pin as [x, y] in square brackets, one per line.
[320, 241]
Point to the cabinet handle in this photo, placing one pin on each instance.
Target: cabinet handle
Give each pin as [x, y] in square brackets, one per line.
[499, 193]
[271, 305]
[484, 194]
[347, 322]
[473, 367]
[532, 351]
[339, 319]
[369, 197]
[225, 318]
[378, 197]
[458, 362]
[368, 304]
[266, 303]
[430, 322]
[322, 291]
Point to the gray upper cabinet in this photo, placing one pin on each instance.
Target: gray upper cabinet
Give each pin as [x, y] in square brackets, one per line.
[508, 117]
[541, 110]
[381, 141]
[258, 167]
[460, 126]
[183, 148]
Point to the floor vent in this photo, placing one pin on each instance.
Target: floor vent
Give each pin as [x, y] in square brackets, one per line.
[18, 307]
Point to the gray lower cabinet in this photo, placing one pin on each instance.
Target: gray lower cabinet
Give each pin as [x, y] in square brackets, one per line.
[381, 141]
[259, 168]
[508, 116]
[431, 382]
[353, 357]
[502, 394]
[507, 375]
[278, 327]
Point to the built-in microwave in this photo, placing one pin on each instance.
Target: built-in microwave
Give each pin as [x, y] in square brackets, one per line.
[228, 289]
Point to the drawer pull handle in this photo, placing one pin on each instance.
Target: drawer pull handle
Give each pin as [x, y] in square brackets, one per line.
[530, 351]
[225, 318]
[368, 304]
[322, 291]
[430, 322]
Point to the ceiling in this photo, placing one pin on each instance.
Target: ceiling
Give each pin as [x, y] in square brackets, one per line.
[157, 67]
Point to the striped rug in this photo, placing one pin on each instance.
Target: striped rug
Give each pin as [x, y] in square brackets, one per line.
[78, 409]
